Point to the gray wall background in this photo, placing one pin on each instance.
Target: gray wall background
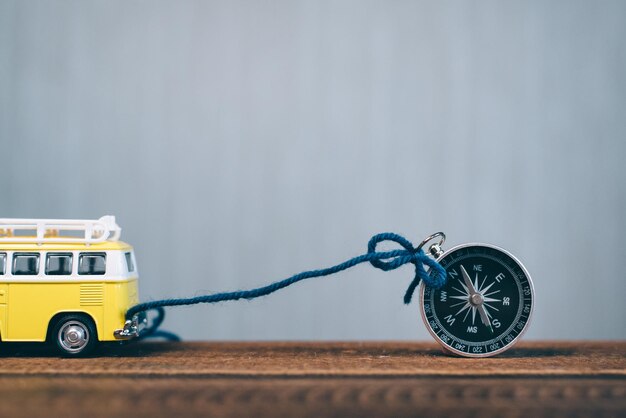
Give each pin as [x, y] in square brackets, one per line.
[241, 142]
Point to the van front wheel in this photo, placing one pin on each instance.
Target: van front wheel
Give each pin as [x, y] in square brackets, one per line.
[74, 335]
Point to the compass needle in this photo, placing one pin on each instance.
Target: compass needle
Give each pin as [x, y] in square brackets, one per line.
[484, 315]
[469, 286]
[465, 288]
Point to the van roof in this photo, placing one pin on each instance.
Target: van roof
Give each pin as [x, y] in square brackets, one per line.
[33, 246]
[61, 234]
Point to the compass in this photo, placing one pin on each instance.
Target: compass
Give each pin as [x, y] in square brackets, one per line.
[485, 305]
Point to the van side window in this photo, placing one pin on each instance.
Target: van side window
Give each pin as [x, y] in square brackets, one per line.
[129, 262]
[92, 263]
[25, 264]
[59, 264]
[3, 263]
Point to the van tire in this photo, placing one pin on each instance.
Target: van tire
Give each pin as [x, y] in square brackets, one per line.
[74, 335]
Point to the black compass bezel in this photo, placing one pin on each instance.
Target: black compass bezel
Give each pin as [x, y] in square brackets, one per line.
[507, 338]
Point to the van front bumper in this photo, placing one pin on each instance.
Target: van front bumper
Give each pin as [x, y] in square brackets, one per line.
[132, 327]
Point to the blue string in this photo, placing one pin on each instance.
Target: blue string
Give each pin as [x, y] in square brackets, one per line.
[385, 260]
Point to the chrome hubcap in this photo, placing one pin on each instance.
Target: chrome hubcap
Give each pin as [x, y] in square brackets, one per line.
[73, 336]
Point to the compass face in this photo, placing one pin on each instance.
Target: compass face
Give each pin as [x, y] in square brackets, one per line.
[485, 305]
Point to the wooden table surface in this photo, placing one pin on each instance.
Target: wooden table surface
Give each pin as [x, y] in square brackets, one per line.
[372, 379]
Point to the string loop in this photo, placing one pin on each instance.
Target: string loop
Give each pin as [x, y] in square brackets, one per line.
[435, 278]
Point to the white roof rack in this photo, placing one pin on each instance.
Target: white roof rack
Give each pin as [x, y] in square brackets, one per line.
[42, 231]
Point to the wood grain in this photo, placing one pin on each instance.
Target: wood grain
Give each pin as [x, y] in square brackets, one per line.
[315, 380]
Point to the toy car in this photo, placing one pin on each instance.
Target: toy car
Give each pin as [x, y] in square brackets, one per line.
[68, 282]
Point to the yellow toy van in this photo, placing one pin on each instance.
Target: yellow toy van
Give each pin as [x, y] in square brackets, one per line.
[68, 282]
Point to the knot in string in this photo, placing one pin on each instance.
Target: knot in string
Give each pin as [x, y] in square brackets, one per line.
[436, 277]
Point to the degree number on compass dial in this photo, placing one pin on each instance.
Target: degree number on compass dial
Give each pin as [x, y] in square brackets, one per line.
[485, 305]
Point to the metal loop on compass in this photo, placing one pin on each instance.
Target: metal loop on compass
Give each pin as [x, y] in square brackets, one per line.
[429, 238]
